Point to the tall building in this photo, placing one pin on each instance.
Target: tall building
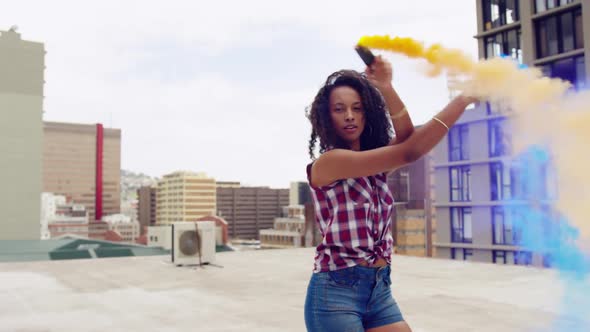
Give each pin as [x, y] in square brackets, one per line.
[472, 179]
[247, 210]
[83, 163]
[299, 193]
[146, 206]
[185, 196]
[413, 223]
[228, 184]
[22, 65]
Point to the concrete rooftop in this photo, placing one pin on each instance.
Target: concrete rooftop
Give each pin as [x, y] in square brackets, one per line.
[264, 290]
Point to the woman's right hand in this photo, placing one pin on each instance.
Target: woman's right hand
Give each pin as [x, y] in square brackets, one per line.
[380, 73]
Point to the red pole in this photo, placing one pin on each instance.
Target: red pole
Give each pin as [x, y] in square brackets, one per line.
[99, 150]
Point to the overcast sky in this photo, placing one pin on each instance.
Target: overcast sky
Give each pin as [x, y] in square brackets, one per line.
[221, 86]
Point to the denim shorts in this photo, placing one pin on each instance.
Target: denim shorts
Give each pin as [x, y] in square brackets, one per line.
[350, 300]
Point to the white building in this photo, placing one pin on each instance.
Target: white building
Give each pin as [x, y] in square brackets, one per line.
[127, 228]
[49, 203]
[288, 232]
[60, 217]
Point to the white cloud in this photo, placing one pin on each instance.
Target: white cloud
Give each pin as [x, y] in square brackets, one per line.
[221, 86]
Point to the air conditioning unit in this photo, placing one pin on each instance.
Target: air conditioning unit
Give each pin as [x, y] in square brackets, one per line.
[193, 243]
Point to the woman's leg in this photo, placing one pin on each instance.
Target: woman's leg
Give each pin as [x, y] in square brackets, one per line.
[331, 303]
[383, 314]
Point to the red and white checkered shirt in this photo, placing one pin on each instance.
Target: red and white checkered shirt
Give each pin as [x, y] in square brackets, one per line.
[354, 217]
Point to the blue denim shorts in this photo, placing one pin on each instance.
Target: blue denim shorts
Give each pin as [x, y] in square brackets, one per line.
[350, 300]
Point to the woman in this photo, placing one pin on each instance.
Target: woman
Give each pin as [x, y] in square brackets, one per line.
[350, 289]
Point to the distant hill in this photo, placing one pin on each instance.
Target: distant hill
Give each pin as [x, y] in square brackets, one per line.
[131, 181]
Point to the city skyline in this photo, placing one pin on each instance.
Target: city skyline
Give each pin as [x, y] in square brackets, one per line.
[207, 92]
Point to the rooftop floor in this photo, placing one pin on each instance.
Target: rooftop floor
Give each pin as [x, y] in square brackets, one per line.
[264, 290]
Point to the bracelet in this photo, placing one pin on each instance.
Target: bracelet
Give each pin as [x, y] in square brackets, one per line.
[399, 114]
[441, 122]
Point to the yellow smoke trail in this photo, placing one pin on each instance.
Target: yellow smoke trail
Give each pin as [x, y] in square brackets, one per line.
[438, 56]
[493, 79]
[541, 111]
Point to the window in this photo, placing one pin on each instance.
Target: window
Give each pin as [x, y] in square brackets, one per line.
[547, 40]
[491, 14]
[544, 5]
[523, 258]
[458, 143]
[493, 46]
[559, 34]
[513, 45]
[500, 181]
[497, 13]
[497, 108]
[461, 253]
[508, 225]
[502, 227]
[541, 6]
[499, 256]
[460, 183]
[461, 227]
[533, 179]
[511, 11]
[571, 69]
[505, 43]
[523, 182]
[580, 81]
[567, 31]
[499, 140]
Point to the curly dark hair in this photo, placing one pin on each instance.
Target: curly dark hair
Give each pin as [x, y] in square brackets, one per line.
[378, 131]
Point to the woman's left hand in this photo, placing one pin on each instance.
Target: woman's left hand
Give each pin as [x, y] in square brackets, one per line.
[380, 73]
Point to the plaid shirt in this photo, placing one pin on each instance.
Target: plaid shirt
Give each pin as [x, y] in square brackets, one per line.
[354, 219]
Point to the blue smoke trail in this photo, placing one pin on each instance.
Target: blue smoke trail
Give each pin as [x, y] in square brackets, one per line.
[545, 231]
